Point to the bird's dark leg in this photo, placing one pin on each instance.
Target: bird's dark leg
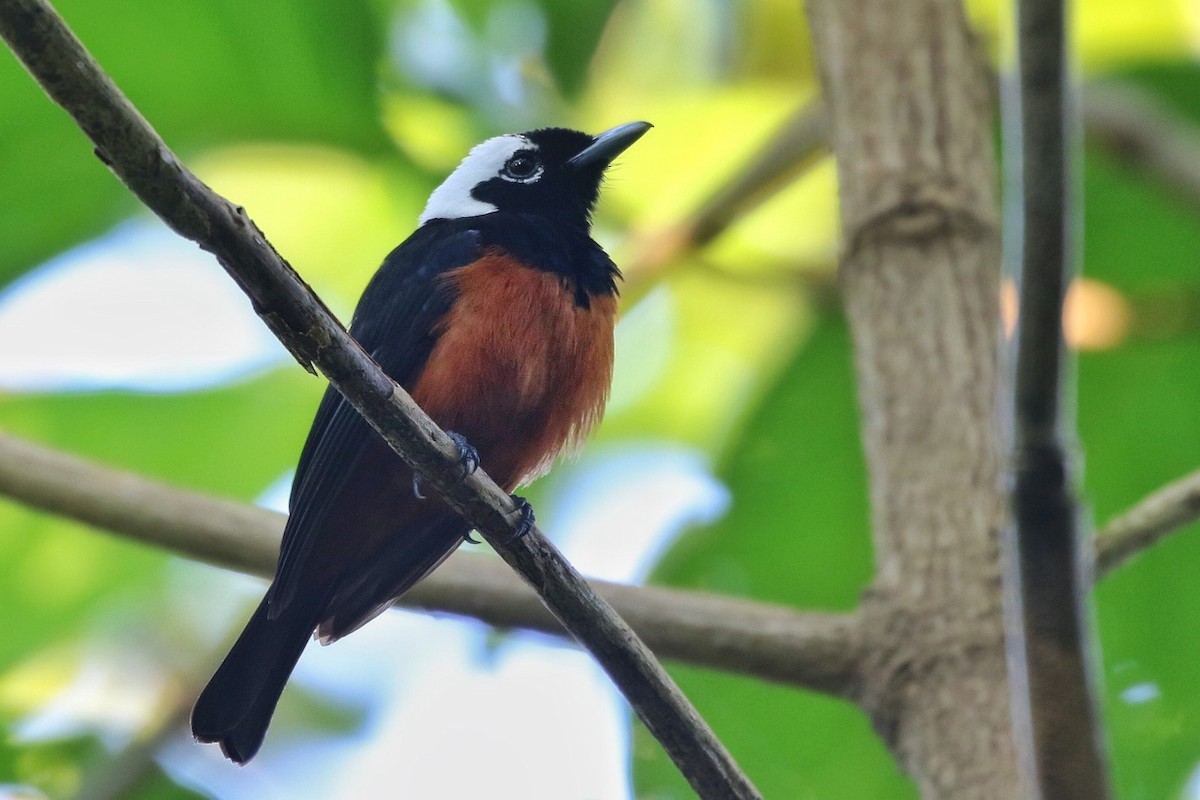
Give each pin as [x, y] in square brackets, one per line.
[526, 513]
[468, 459]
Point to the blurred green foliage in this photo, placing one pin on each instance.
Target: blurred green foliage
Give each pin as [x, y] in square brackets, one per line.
[330, 123]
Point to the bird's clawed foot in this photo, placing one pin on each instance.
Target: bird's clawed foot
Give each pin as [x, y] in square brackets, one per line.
[468, 460]
[468, 456]
[525, 525]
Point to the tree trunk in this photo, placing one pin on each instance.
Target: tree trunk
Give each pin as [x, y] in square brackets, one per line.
[920, 275]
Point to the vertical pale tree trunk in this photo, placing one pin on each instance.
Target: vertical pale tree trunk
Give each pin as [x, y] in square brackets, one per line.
[920, 273]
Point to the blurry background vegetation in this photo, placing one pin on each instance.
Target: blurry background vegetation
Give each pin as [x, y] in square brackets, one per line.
[331, 122]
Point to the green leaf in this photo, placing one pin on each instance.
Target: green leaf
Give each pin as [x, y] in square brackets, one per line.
[202, 73]
[57, 572]
[234, 440]
[157, 785]
[573, 31]
[796, 534]
[1136, 235]
[53, 767]
[797, 529]
[791, 744]
[1175, 82]
[1140, 425]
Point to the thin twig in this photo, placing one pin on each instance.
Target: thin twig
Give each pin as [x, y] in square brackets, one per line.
[820, 652]
[1066, 751]
[134, 151]
[1141, 130]
[1164, 512]
[794, 147]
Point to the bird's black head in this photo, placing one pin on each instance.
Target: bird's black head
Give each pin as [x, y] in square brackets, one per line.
[552, 172]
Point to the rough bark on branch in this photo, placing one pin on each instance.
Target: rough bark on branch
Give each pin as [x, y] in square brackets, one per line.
[136, 154]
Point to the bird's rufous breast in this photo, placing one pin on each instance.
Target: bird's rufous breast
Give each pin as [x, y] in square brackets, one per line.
[518, 337]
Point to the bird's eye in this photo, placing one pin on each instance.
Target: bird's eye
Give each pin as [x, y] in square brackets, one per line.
[522, 167]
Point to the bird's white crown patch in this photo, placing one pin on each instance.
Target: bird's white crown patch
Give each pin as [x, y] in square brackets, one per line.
[453, 199]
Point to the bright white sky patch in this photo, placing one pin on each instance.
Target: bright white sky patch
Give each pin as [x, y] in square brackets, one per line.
[620, 515]
[138, 309]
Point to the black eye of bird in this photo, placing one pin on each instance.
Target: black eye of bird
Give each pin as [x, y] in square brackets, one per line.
[522, 166]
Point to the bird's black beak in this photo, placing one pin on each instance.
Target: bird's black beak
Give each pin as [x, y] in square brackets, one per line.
[610, 144]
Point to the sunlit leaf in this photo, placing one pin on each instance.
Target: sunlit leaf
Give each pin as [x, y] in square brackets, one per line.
[57, 573]
[773, 41]
[692, 149]
[767, 237]
[335, 215]
[1106, 34]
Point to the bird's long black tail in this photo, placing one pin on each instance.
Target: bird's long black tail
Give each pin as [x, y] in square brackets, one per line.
[235, 708]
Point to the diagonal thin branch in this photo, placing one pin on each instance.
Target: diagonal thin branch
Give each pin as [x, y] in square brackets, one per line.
[1141, 130]
[1065, 751]
[821, 652]
[797, 144]
[1161, 513]
[800, 141]
[134, 151]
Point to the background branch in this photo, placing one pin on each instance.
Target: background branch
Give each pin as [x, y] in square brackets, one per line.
[134, 151]
[812, 651]
[1141, 130]
[1161, 513]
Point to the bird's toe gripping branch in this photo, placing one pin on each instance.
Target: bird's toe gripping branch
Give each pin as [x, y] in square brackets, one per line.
[468, 456]
[468, 460]
[525, 510]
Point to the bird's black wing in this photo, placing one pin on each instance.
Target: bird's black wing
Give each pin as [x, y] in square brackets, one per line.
[396, 323]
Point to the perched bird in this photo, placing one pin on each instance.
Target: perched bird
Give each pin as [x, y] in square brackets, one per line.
[496, 315]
